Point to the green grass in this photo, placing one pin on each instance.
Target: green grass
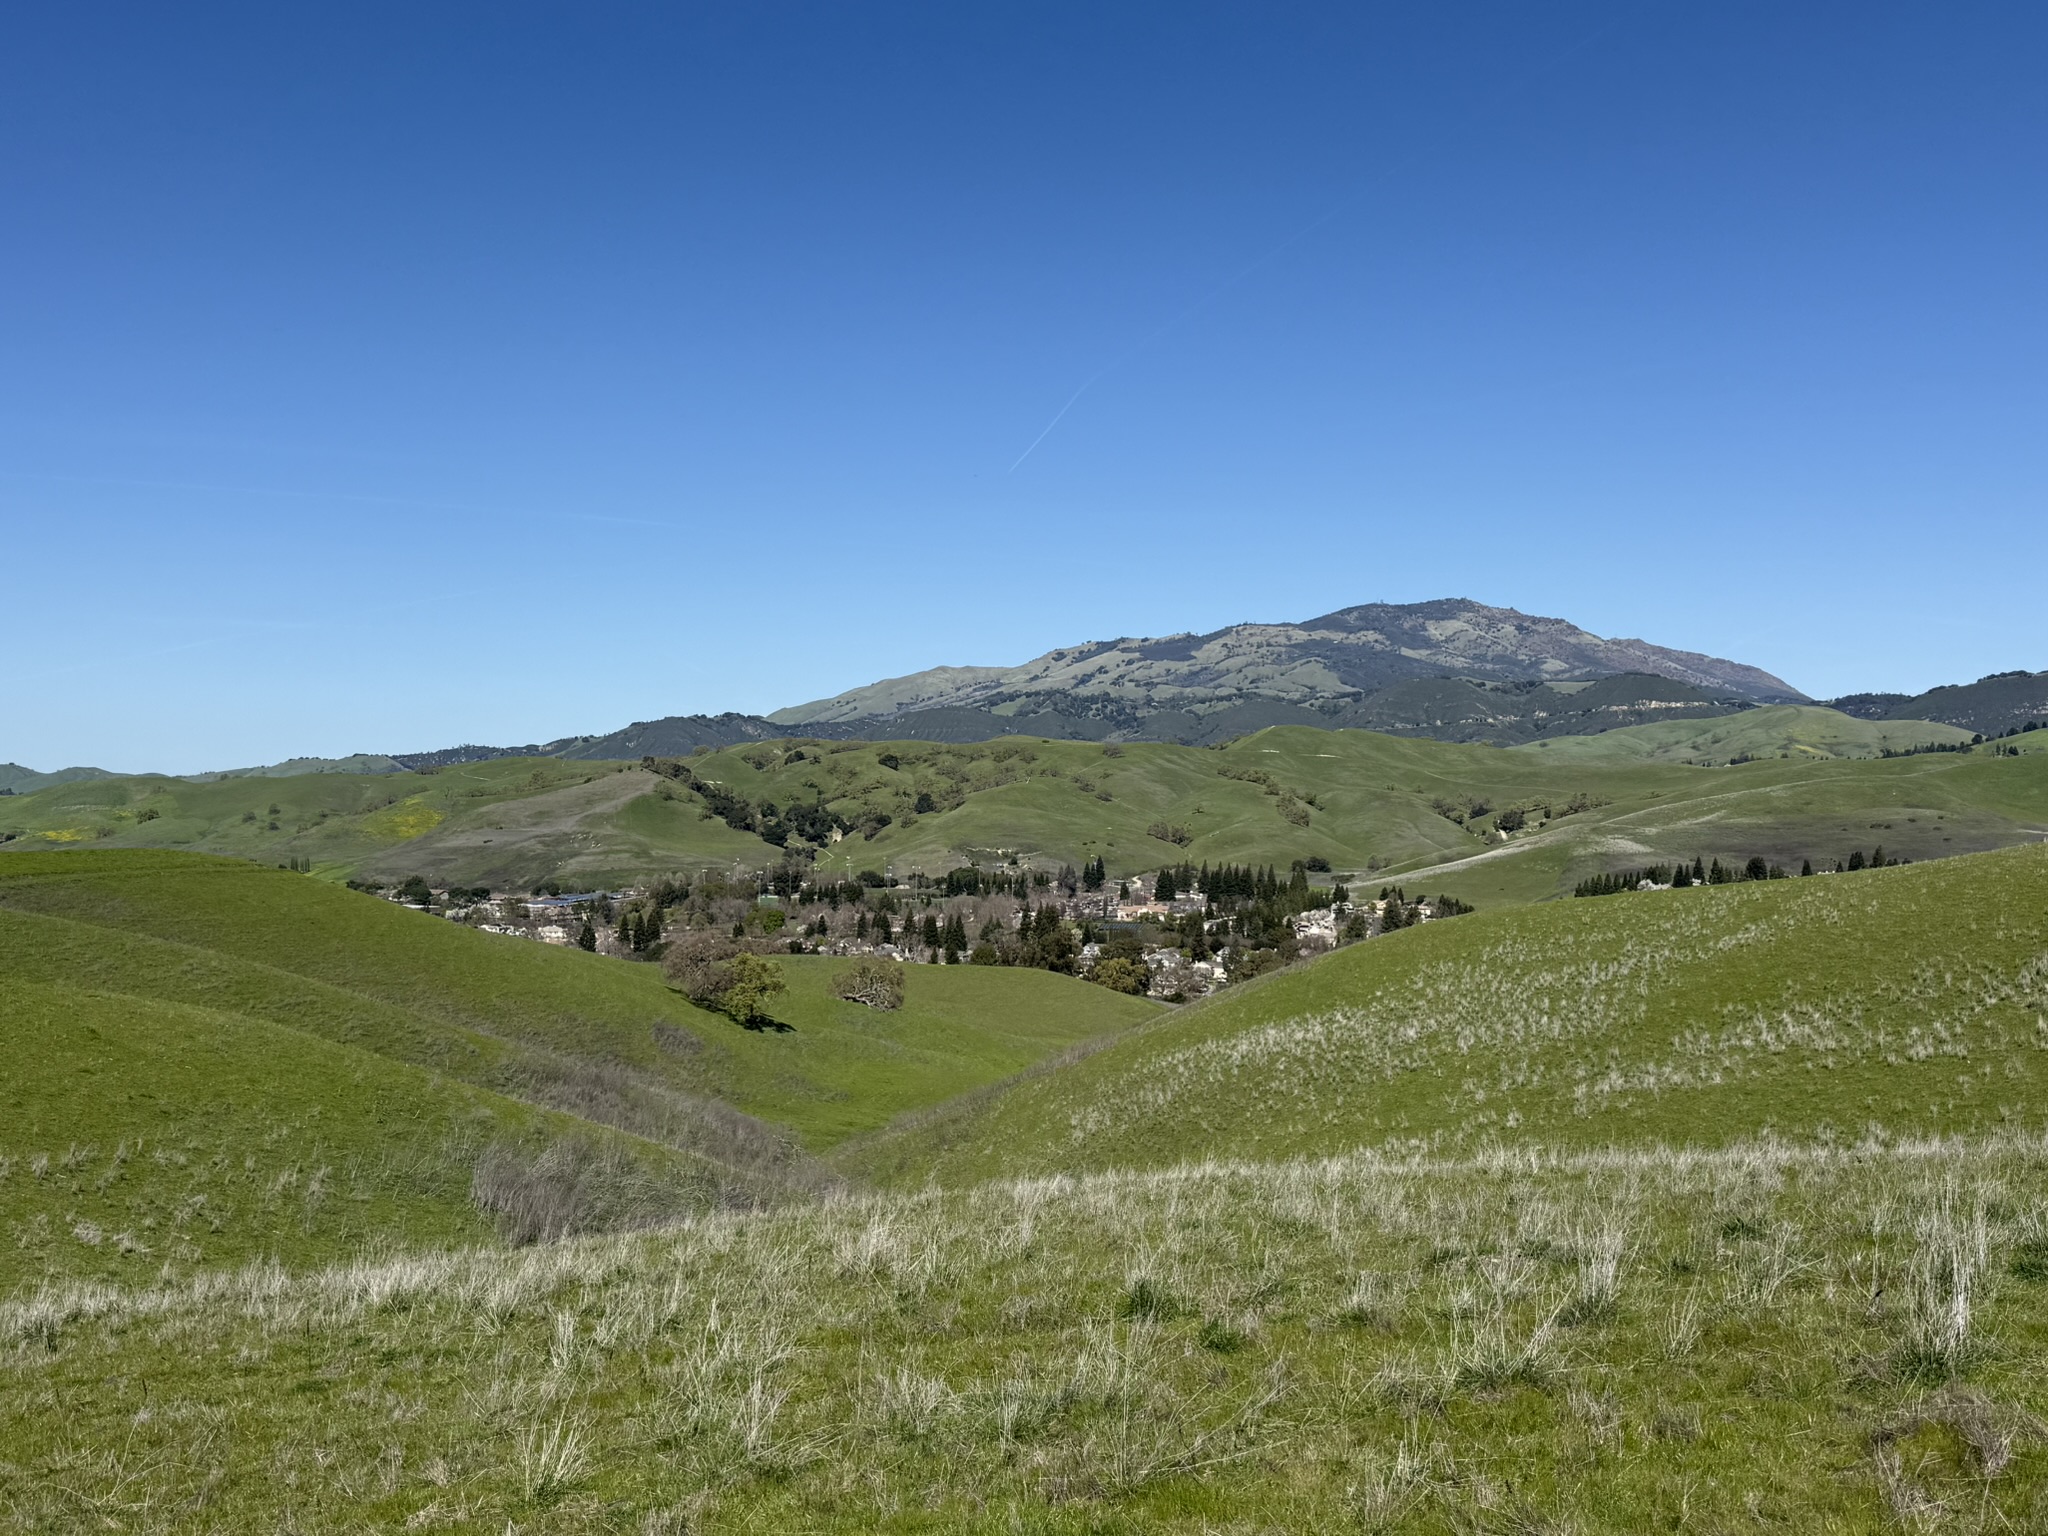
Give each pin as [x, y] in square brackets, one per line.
[1760, 1339]
[960, 1027]
[141, 1133]
[584, 1032]
[1911, 999]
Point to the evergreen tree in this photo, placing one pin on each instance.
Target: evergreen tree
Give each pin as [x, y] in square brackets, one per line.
[1856, 859]
[1699, 871]
[587, 939]
[1163, 888]
[1805, 867]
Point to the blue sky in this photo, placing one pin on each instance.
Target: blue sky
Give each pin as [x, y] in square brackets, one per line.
[379, 378]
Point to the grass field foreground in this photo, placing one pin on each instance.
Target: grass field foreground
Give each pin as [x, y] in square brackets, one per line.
[1813, 1339]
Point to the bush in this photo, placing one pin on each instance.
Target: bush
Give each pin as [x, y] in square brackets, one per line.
[872, 982]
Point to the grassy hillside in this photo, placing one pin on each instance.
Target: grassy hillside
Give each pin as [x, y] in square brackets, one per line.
[1801, 732]
[140, 1138]
[1910, 999]
[1366, 802]
[1761, 1339]
[507, 823]
[603, 1038]
[212, 1061]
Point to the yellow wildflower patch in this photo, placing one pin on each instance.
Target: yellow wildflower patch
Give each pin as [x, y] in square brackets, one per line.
[71, 834]
[404, 821]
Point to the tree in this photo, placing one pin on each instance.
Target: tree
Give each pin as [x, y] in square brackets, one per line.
[872, 982]
[1805, 867]
[695, 965]
[587, 938]
[1121, 975]
[753, 980]
[713, 971]
[1756, 869]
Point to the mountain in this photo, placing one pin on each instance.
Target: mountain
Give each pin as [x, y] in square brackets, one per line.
[1990, 706]
[1339, 658]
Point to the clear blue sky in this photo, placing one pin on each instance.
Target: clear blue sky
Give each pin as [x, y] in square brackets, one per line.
[384, 377]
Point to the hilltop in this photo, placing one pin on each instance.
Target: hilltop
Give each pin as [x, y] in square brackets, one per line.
[1990, 706]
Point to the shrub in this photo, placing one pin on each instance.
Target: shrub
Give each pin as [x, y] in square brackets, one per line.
[872, 982]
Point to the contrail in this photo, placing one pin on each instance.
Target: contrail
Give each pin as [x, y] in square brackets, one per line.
[1077, 394]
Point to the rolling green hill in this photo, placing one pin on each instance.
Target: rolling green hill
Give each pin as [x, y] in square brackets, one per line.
[187, 1026]
[141, 1137]
[1910, 999]
[1373, 805]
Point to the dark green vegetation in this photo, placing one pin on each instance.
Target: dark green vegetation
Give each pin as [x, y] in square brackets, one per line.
[1909, 1000]
[1991, 706]
[210, 1060]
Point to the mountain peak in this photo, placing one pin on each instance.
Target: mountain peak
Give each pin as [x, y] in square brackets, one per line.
[1337, 657]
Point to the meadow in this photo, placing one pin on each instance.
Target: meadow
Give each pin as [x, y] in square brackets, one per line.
[1838, 1339]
